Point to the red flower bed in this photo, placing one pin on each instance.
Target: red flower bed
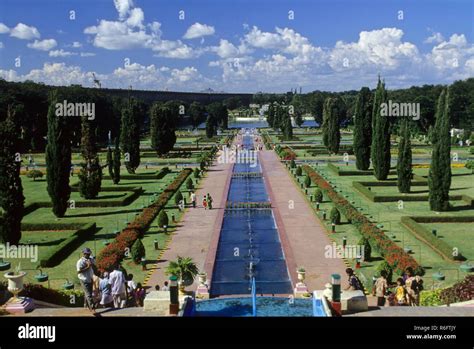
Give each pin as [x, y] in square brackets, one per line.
[115, 251]
[395, 256]
[288, 154]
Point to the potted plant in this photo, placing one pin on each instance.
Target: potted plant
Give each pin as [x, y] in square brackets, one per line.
[301, 274]
[202, 277]
[184, 269]
[15, 281]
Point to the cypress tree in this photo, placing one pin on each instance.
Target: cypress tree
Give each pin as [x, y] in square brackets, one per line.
[211, 126]
[130, 136]
[90, 176]
[331, 132]
[439, 177]
[380, 149]
[11, 190]
[287, 128]
[110, 162]
[404, 171]
[162, 126]
[116, 177]
[271, 115]
[363, 128]
[58, 157]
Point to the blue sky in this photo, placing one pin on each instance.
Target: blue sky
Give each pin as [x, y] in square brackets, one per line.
[237, 46]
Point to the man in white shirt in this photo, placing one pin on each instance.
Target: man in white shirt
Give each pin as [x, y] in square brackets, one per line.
[85, 273]
[118, 287]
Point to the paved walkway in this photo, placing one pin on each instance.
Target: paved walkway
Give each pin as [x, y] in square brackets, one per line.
[194, 238]
[302, 235]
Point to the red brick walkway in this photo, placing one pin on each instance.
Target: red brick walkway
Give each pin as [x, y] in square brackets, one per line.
[302, 236]
[195, 236]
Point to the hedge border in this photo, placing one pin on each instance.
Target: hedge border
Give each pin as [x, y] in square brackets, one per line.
[395, 256]
[442, 247]
[340, 172]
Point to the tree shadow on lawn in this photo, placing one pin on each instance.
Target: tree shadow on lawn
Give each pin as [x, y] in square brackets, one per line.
[461, 174]
[460, 208]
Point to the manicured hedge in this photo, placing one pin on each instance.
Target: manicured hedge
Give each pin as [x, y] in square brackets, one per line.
[163, 172]
[56, 255]
[341, 172]
[441, 246]
[395, 256]
[287, 154]
[115, 251]
[59, 297]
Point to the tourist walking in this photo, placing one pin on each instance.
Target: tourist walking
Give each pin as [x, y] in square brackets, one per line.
[165, 286]
[380, 288]
[193, 199]
[139, 295]
[204, 203]
[118, 287]
[209, 201]
[354, 282]
[413, 287]
[85, 274]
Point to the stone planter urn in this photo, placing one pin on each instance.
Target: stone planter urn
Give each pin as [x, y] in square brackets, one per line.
[202, 277]
[15, 283]
[301, 275]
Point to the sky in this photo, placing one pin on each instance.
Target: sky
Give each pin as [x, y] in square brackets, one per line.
[239, 45]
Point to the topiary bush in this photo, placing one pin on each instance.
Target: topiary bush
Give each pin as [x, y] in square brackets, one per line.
[367, 248]
[385, 266]
[178, 197]
[138, 251]
[299, 171]
[34, 174]
[196, 173]
[292, 163]
[163, 219]
[318, 195]
[307, 182]
[189, 184]
[335, 216]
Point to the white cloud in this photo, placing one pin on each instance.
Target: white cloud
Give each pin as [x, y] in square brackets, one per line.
[266, 40]
[24, 32]
[123, 7]
[434, 38]
[226, 49]
[61, 53]
[4, 29]
[87, 54]
[43, 45]
[76, 44]
[198, 30]
[456, 54]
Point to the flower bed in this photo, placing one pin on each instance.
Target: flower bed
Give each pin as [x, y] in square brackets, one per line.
[395, 256]
[115, 251]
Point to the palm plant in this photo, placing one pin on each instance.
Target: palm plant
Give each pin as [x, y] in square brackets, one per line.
[184, 269]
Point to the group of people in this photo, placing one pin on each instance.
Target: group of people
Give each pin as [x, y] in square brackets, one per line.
[206, 200]
[115, 289]
[406, 290]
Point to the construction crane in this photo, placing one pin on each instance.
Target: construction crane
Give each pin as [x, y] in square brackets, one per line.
[96, 81]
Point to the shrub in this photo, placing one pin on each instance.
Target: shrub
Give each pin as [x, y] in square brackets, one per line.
[367, 248]
[459, 292]
[178, 197]
[307, 181]
[196, 173]
[318, 195]
[163, 219]
[138, 251]
[431, 298]
[335, 216]
[60, 297]
[388, 269]
[189, 184]
[299, 171]
[292, 163]
[34, 174]
[470, 164]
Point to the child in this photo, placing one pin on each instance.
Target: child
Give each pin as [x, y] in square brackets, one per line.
[204, 203]
[139, 295]
[400, 292]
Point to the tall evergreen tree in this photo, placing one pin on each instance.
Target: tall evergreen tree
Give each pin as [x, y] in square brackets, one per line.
[331, 131]
[110, 162]
[380, 148]
[11, 190]
[162, 126]
[404, 171]
[363, 128]
[196, 112]
[439, 177]
[130, 136]
[116, 177]
[58, 157]
[211, 126]
[90, 176]
[271, 114]
[287, 128]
